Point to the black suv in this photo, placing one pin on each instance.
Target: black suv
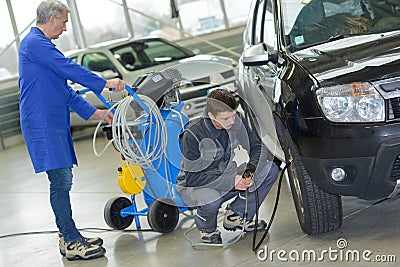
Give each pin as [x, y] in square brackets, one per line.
[320, 82]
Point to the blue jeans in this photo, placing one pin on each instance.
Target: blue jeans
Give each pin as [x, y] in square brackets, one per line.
[60, 185]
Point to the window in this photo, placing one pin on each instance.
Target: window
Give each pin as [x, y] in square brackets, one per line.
[157, 50]
[142, 54]
[8, 54]
[102, 20]
[74, 59]
[247, 37]
[258, 25]
[237, 11]
[97, 62]
[269, 26]
[264, 24]
[208, 16]
[152, 18]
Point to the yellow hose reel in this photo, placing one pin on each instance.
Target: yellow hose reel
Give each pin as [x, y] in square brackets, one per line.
[131, 179]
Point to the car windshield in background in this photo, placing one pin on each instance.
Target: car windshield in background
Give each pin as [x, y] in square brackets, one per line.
[310, 22]
[144, 54]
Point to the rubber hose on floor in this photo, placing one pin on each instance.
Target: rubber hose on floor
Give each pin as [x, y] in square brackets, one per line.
[256, 246]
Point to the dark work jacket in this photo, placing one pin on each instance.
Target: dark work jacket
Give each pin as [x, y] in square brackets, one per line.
[208, 153]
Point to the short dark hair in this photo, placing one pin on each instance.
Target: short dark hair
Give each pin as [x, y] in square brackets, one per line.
[220, 100]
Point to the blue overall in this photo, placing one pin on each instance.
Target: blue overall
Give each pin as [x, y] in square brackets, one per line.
[45, 103]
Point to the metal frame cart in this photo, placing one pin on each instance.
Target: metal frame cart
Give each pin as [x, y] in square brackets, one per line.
[150, 149]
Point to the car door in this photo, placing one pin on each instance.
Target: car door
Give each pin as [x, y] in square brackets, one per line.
[260, 85]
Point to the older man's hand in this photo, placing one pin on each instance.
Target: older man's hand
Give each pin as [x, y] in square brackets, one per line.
[116, 83]
[105, 115]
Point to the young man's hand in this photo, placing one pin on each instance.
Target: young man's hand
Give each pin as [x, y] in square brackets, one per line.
[242, 184]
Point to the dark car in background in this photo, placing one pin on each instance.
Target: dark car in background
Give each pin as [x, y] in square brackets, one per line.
[130, 59]
[320, 81]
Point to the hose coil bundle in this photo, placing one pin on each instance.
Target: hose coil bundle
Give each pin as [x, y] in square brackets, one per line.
[133, 150]
[141, 153]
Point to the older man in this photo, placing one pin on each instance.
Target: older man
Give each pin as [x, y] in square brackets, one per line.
[45, 103]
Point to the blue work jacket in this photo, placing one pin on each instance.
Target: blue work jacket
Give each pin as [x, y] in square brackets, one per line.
[46, 100]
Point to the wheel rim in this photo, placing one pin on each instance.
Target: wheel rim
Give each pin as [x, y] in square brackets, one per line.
[166, 216]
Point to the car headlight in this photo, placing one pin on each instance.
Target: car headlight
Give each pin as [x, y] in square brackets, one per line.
[355, 102]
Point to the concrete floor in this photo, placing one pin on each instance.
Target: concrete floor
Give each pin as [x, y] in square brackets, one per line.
[368, 228]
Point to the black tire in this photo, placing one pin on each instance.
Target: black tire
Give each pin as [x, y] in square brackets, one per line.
[163, 215]
[318, 211]
[112, 214]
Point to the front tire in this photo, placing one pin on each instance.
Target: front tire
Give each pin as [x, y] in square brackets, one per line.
[318, 211]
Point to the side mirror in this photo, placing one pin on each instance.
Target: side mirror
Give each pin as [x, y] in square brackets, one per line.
[109, 74]
[257, 55]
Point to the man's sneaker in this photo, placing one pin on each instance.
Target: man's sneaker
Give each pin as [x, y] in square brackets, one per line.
[211, 238]
[82, 250]
[232, 221]
[93, 241]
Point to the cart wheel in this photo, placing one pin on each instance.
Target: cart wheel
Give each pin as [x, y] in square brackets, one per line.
[163, 215]
[112, 214]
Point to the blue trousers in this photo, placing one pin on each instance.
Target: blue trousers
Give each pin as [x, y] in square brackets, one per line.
[60, 185]
[207, 211]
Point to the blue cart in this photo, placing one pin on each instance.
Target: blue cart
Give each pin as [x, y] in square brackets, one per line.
[150, 149]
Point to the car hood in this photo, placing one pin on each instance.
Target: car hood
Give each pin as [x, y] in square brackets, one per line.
[199, 66]
[369, 57]
[218, 59]
[203, 69]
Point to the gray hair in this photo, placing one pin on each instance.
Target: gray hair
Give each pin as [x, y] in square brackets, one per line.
[49, 8]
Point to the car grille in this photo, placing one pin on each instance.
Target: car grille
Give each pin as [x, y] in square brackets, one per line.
[228, 74]
[390, 89]
[393, 108]
[201, 81]
[187, 95]
[194, 107]
[396, 169]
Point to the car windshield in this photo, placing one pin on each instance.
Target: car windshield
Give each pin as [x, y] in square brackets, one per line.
[310, 22]
[146, 53]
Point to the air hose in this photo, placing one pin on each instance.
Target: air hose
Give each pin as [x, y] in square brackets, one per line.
[124, 139]
[254, 245]
[134, 151]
